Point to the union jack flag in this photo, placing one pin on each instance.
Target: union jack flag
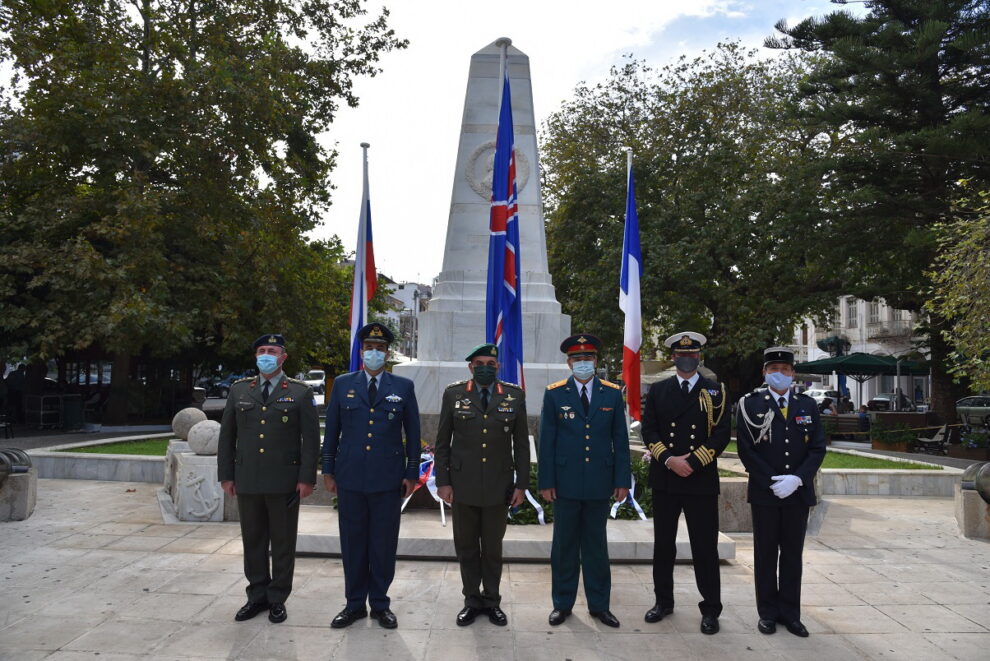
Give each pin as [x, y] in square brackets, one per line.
[503, 318]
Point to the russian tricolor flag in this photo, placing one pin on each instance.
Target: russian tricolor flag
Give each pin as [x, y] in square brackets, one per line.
[632, 262]
[365, 276]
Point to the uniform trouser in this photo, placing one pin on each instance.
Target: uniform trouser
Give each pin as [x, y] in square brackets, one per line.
[478, 533]
[778, 540]
[269, 520]
[580, 545]
[701, 513]
[369, 537]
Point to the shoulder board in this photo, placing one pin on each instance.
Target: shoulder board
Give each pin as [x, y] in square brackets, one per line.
[510, 384]
[290, 380]
[556, 384]
[801, 394]
[246, 378]
[610, 384]
[457, 383]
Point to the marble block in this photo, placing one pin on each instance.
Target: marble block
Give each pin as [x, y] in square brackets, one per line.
[184, 421]
[204, 437]
[18, 496]
[198, 496]
[174, 447]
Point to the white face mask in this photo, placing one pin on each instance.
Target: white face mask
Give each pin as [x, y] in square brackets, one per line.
[778, 380]
[583, 369]
[373, 359]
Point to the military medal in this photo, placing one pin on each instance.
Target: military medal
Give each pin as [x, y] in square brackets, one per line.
[285, 418]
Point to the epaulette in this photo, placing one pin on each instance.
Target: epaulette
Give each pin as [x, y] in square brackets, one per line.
[246, 378]
[302, 383]
[610, 384]
[556, 384]
[510, 384]
[457, 383]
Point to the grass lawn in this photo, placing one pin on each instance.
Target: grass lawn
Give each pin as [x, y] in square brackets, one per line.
[841, 460]
[153, 447]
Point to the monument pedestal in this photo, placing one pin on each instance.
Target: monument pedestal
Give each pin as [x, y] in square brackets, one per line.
[196, 493]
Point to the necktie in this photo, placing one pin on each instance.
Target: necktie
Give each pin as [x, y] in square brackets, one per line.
[484, 399]
[585, 402]
[266, 390]
[372, 390]
[782, 403]
[684, 388]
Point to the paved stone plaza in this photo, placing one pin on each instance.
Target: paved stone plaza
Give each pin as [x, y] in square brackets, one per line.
[94, 574]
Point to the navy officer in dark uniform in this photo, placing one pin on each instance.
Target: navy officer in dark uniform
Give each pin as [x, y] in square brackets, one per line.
[685, 426]
[782, 445]
[583, 461]
[370, 469]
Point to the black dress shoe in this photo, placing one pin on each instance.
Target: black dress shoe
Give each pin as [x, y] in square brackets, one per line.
[250, 609]
[346, 618]
[467, 615]
[276, 613]
[558, 616]
[385, 617]
[606, 618]
[709, 625]
[767, 626]
[497, 616]
[657, 613]
[795, 628]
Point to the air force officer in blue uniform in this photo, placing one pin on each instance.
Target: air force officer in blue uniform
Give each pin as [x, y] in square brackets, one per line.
[367, 465]
[583, 461]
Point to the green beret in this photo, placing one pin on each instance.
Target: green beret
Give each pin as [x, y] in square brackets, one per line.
[485, 350]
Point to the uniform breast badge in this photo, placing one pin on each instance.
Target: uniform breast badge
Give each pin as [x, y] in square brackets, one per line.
[393, 398]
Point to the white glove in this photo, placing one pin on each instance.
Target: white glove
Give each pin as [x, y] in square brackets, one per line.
[785, 485]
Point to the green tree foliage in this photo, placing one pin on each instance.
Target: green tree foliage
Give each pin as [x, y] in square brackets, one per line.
[908, 84]
[732, 244]
[159, 168]
[960, 293]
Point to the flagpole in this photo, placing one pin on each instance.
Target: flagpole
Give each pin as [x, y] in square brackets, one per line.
[503, 43]
[628, 161]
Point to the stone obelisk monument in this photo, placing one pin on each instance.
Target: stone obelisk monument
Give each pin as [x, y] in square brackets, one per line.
[455, 320]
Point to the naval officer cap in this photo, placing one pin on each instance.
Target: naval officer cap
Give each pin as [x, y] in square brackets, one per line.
[778, 355]
[376, 332]
[487, 350]
[685, 342]
[269, 340]
[581, 344]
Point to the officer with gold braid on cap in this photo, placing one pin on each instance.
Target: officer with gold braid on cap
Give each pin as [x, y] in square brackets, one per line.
[782, 445]
[482, 438]
[686, 427]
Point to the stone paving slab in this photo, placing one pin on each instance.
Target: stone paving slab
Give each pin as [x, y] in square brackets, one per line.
[78, 583]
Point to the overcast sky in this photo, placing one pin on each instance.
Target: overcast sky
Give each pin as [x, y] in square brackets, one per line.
[411, 113]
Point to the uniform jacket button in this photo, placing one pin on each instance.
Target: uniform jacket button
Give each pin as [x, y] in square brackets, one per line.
[372, 410]
[367, 447]
[262, 422]
[264, 408]
[587, 459]
[261, 450]
[261, 435]
[369, 434]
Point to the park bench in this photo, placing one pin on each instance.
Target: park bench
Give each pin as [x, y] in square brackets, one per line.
[936, 444]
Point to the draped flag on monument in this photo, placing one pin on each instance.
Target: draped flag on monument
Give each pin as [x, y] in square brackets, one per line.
[632, 261]
[365, 276]
[503, 304]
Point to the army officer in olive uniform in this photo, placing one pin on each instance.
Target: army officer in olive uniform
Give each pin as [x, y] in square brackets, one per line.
[584, 460]
[269, 443]
[782, 445]
[686, 427]
[482, 438]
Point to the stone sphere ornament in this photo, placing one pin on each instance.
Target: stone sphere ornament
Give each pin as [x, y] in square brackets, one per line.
[983, 482]
[184, 421]
[204, 437]
[969, 475]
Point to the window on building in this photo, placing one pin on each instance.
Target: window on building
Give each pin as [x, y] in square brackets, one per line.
[804, 335]
[851, 320]
[874, 311]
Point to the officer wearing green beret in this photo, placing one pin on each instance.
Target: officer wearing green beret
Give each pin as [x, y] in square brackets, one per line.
[481, 440]
[269, 442]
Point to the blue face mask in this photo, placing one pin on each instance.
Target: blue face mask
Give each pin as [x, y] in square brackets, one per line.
[583, 369]
[267, 363]
[778, 380]
[373, 359]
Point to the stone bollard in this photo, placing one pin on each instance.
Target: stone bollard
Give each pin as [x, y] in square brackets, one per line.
[972, 501]
[18, 485]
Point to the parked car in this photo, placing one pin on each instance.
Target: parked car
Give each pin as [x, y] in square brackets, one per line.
[221, 388]
[316, 379]
[883, 402]
[819, 395]
[974, 410]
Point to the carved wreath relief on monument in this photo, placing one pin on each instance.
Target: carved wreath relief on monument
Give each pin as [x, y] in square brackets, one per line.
[480, 164]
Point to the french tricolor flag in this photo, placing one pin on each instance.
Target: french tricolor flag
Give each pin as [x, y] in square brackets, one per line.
[365, 276]
[632, 263]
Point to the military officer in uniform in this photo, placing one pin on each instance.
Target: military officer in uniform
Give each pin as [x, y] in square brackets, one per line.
[685, 426]
[370, 469]
[482, 438]
[267, 454]
[583, 461]
[782, 445]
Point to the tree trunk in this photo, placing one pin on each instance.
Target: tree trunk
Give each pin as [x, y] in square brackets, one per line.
[945, 391]
[117, 407]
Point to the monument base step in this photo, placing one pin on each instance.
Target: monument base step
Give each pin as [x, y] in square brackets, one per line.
[422, 536]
